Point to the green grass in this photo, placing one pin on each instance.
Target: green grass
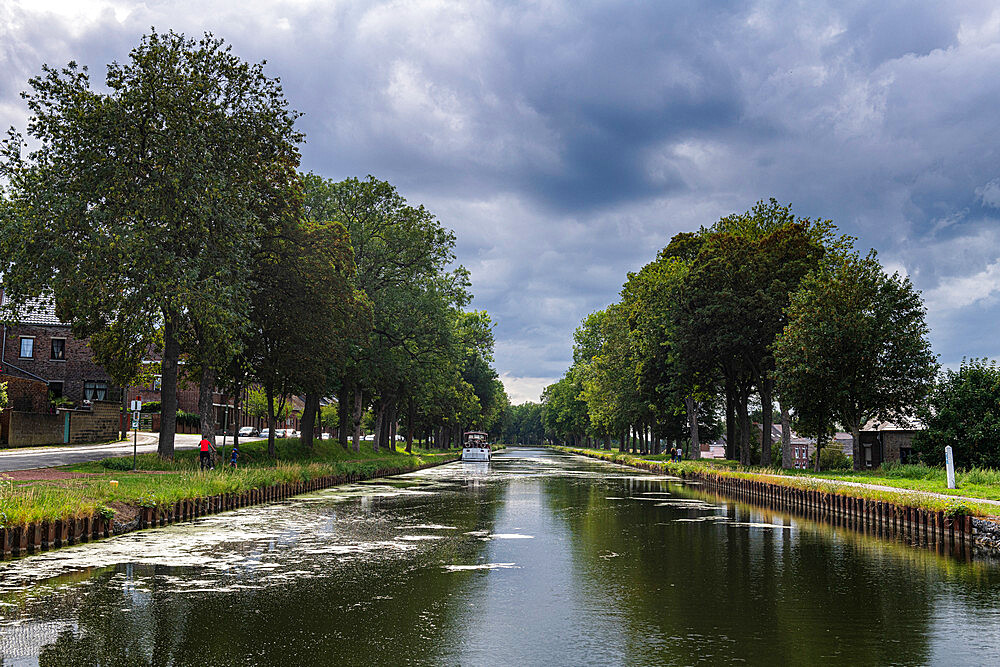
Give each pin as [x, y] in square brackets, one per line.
[976, 483]
[160, 482]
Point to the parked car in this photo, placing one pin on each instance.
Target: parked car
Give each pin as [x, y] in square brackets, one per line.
[368, 438]
[324, 436]
[266, 433]
[249, 432]
[280, 433]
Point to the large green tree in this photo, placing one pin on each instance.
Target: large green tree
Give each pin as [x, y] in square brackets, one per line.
[139, 204]
[305, 314]
[963, 410]
[855, 348]
[404, 260]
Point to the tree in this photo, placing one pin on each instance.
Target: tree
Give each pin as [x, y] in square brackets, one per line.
[963, 410]
[403, 255]
[855, 348]
[3, 395]
[256, 405]
[306, 315]
[329, 417]
[140, 208]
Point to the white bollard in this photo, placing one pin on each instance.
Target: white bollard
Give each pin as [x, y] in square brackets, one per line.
[949, 461]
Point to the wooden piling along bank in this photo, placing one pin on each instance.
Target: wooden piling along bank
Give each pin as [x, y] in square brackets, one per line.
[45, 535]
[879, 517]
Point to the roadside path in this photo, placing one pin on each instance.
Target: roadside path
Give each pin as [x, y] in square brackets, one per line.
[860, 485]
[894, 489]
[29, 458]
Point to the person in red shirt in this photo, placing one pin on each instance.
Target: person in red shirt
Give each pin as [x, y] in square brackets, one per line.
[206, 457]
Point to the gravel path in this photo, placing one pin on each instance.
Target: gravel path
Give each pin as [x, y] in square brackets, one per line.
[894, 489]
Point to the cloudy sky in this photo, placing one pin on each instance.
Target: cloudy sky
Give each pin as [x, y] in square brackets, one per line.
[566, 142]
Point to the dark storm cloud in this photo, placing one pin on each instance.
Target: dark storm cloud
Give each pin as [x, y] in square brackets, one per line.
[566, 142]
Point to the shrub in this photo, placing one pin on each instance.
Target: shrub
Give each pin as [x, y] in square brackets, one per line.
[910, 471]
[955, 510]
[831, 457]
[151, 406]
[117, 464]
[188, 418]
[979, 475]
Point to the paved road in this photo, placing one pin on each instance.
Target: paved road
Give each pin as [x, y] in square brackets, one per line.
[26, 458]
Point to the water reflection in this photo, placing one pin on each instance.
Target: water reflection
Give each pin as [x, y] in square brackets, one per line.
[538, 558]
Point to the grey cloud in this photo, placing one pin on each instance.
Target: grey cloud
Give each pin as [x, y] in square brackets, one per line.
[566, 142]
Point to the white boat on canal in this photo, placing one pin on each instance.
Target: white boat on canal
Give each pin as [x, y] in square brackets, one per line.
[476, 447]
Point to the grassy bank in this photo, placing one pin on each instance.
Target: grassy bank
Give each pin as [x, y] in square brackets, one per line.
[160, 483]
[976, 484]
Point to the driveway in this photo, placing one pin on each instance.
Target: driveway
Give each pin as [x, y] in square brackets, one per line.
[26, 458]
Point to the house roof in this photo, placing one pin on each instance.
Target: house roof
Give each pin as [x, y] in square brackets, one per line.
[911, 424]
[40, 310]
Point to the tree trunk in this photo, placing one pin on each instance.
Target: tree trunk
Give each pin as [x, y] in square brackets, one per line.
[409, 426]
[787, 460]
[344, 416]
[393, 414]
[607, 443]
[766, 419]
[379, 417]
[743, 422]
[819, 448]
[206, 407]
[623, 442]
[359, 409]
[309, 411]
[272, 422]
[237, 401]
[168, 387]
[731, 434]
[856, 446]
[692, 412]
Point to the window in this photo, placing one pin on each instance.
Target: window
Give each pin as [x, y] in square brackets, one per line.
[58, 349]
[95, 391]
[56, 389]
[157, 381]
[27, 347]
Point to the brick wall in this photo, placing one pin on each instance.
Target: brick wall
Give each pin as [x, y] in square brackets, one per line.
[30, 428]
[26, 395]
[77, 368]
[894, 441]
[96, 425]
[99, 424]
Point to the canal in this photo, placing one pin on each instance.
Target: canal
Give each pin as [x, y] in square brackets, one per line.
[537, 558]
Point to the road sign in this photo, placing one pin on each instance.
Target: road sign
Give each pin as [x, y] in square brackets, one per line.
[135, 420]
[137, 405]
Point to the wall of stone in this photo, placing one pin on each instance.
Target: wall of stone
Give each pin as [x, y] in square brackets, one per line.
[96, 425]
[32, 428]
[99, 424]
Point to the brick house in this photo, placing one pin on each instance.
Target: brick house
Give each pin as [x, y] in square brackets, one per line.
[887, 441]
[41, 347]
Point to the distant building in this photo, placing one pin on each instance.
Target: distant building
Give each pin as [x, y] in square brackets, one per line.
[888, 441]
[41, 347]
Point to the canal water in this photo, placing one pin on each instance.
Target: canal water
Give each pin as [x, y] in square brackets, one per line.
[536, 558]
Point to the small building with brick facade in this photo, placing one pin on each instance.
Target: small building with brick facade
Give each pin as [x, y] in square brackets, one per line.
[41, 347]
[887, 441]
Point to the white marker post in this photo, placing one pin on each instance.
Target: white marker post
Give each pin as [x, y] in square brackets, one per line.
[136, 411]
[949, 461]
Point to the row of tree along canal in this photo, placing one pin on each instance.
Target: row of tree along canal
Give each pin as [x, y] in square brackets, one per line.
[762, 306]
[180, 222]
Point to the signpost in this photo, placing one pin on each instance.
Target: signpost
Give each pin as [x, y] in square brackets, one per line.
[949, 460]
[136, 411]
